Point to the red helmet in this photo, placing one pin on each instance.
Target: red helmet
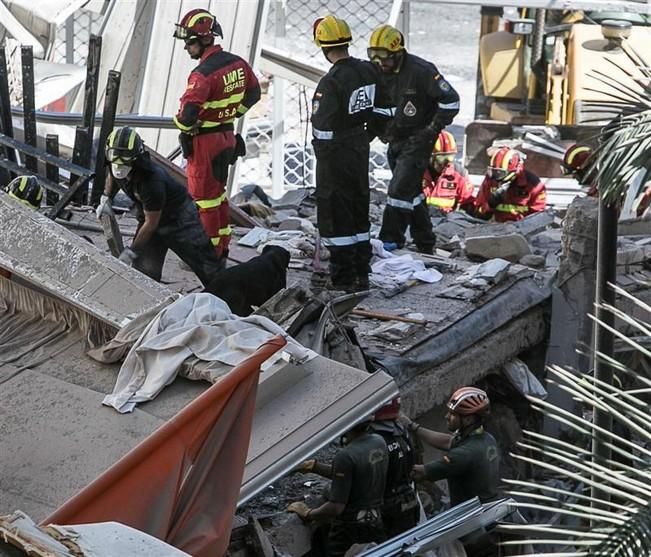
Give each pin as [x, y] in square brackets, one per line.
[196, 24]
[389, 411]
[468, 401]
[577, 157]
[505, 164]
[445, 144]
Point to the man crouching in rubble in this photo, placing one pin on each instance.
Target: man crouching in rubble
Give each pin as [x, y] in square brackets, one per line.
[167, 216]
[358, 475]
[471, 463]
[509, 192]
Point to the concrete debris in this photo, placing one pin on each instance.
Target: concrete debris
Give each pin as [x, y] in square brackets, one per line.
[535, 223]
[534, 261]
[395, 331]
[106, 539]
[492, 271]
[523, 380]
[496, 240]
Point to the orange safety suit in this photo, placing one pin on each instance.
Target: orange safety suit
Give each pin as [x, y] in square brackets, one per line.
[221, 88]
[525, 195]
[450, 191]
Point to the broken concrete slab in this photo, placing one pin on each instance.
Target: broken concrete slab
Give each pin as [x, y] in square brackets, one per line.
[492, 271]
[42, 252]
[496, 241]
[55, 438]
[534, 261]
[634, 227]
[535, 223]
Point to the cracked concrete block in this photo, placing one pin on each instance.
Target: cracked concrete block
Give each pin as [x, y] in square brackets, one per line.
[46, 254]
[496, 241]
[535, 223]
[535, 261]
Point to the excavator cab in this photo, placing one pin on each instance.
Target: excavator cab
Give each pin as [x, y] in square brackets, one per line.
[548, 73]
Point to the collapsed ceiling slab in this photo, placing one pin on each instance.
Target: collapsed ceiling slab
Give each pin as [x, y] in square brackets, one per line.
[59, 436]
[61, 263]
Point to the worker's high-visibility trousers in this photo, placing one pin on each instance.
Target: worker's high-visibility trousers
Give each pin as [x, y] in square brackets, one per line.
[207, 173]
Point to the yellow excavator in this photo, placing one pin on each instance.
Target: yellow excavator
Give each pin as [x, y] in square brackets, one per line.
[545, 74]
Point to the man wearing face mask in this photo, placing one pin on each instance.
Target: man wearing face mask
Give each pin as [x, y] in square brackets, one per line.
[424, 104]
[167, 216]
[446, 189]
[343, 103]
[220, 89]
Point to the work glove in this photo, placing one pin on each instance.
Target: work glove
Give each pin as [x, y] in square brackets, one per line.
[128, 256]
[418, 472]
[300, 508]
[306, 466]
[239, 149]
[497, 196]
[104, 206]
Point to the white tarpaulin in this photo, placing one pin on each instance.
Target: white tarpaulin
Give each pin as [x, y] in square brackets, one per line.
[199, 325]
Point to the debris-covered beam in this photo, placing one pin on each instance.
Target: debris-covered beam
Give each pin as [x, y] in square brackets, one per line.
[6, 124]
[52, 170]
[29, 108]
[43, 156]
[108, 121]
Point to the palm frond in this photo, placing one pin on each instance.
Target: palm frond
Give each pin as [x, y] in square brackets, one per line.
[621, 526]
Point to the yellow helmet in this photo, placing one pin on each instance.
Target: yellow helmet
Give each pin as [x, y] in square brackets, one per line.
[330, 31]
[388, 38]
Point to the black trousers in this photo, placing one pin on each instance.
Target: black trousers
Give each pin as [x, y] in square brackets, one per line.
[186, 237]
[406, 206]
[400, 513]
[344, 534]
[342, 194]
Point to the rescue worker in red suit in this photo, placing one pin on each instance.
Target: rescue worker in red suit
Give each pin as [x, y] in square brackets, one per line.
[445, 187]
[509, 192]
[220, 89]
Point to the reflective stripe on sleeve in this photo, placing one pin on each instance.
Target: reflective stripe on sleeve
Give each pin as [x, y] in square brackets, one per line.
[506, 208]
[449, 106]
[322, 134]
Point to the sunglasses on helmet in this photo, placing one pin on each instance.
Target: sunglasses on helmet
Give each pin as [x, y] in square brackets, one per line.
[120, 156]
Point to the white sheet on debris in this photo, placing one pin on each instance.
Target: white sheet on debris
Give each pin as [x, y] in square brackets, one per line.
[389, 270]
[200, 325]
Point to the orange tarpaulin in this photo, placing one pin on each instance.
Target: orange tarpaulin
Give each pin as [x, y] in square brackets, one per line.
[181, 484]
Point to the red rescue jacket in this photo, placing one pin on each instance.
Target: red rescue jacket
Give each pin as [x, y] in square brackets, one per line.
[221, 88]
[526, 195]
[451, 190]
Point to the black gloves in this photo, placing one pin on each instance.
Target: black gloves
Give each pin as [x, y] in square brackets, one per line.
[497, 196]
[240, 148]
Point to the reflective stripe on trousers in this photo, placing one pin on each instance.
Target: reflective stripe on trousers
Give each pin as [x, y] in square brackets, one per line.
[407, 205]
[346, 240]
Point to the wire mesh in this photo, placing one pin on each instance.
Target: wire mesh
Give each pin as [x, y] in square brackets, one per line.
[289, 28]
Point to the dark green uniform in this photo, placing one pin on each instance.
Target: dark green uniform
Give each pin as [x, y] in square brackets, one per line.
[358, 478]
[471, 467]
